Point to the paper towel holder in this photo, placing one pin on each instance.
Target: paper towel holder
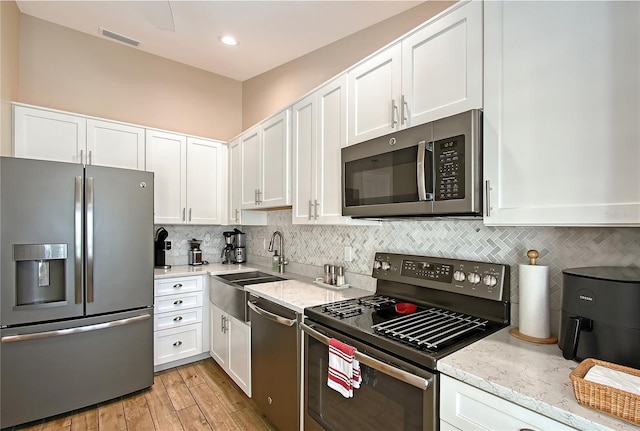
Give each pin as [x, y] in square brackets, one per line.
[533, 256]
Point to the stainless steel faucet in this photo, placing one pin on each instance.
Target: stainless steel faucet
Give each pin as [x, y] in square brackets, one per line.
[281, 259]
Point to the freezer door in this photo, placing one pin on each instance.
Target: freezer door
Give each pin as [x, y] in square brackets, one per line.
[119, 239]
[41, 231]
[54, 368]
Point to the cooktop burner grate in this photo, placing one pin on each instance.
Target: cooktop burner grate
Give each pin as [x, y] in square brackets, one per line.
[432, 328]
[343, 309]
[377, 301]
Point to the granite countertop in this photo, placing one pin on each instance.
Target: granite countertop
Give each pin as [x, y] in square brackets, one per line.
[299, 294]
[535, 376]
[295, 293]
[209, 269]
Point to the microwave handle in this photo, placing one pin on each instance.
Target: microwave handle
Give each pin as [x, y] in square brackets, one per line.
[423, 147]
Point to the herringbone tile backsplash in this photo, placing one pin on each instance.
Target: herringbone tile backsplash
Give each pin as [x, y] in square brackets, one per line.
[559, 247]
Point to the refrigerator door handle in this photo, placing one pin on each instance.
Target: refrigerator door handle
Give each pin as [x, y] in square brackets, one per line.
[89, 238]
[77, 330]
[77, 215]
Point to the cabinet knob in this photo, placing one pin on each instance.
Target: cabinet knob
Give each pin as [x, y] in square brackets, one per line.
[177, 343]
[178, 302]
[177, 285]
[177, 319]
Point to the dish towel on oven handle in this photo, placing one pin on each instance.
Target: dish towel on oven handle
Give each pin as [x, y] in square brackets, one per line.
[344, 368]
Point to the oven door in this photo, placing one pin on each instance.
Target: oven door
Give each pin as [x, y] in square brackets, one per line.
[390, 175]
[393, 395]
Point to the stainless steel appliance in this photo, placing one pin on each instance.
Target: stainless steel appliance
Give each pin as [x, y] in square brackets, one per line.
[240, 250]
[228, 254]
[457, 302]
[430, 169]
[77, 286]
[195, 254]
[275, 365]
[161, 247]
[227, 291]
[235, 244]
[600, 315]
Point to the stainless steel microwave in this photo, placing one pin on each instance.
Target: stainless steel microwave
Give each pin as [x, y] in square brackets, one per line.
[426, 170]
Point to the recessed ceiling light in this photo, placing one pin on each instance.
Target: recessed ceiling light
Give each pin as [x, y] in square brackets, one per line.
[228, 40]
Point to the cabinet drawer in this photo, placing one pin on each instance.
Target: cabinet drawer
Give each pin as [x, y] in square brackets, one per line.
[172, 286]
[466, 407]
[177, 343]
[178, 302]
[176, 319]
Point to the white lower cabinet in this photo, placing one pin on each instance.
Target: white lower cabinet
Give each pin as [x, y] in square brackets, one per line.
[179, 330]
[231, 346]
[464, 407]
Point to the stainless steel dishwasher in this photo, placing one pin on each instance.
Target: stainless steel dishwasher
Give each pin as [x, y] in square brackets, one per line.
[275, 362]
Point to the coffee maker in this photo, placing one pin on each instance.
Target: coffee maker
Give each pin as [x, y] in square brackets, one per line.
[228, 253]
[195, 254]
[235, 244]
[240, 247]
[161, 247]
[599, 316]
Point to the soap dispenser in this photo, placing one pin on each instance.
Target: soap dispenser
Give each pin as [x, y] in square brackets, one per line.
[276, 261]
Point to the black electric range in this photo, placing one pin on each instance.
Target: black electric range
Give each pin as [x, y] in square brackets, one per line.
[456, 303]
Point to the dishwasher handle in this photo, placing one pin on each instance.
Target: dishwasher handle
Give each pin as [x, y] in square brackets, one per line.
[390, 370]
[271, 316]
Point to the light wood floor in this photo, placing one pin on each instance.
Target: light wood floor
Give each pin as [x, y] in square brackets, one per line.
[193, 397]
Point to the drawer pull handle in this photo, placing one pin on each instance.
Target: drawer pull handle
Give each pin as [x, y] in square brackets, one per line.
[177, 285]
[177, 344]
[178, 302]
[177, 319]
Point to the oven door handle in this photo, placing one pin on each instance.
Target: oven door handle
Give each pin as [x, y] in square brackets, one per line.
[419, 382]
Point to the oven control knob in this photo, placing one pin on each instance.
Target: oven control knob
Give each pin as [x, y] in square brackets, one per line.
[377, 264]
[474, 278]
[459, 276]
[490, 280]
[386, 266]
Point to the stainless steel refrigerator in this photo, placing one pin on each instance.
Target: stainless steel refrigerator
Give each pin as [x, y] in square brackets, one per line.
[77, 286]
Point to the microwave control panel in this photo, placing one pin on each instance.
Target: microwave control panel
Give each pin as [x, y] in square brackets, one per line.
[449, 163]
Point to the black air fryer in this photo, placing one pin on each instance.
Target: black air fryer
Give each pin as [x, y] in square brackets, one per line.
[601, 314]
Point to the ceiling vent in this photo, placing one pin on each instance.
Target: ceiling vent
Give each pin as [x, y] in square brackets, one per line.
[119, 37]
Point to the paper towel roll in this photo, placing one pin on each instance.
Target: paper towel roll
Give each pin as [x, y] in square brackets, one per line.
[534, 301]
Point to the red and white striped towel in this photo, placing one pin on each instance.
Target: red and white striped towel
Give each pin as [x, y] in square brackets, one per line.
[344, 369]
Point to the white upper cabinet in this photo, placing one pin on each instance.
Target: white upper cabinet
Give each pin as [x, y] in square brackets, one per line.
[64, 137]
[276, 161]
[442, 67]
[319, 132]
[561, 134]
[115, 145]
[167, 159]
[206, 181]
[433, 73]
[236, 215]
[374, 95]
[250, 162]
[48, 135]
[190, 178]
[235, 182]
[266, 160]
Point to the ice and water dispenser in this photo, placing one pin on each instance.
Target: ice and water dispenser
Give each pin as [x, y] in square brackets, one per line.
[40, 274]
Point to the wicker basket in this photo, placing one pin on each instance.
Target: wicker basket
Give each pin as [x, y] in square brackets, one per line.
[615, 402]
